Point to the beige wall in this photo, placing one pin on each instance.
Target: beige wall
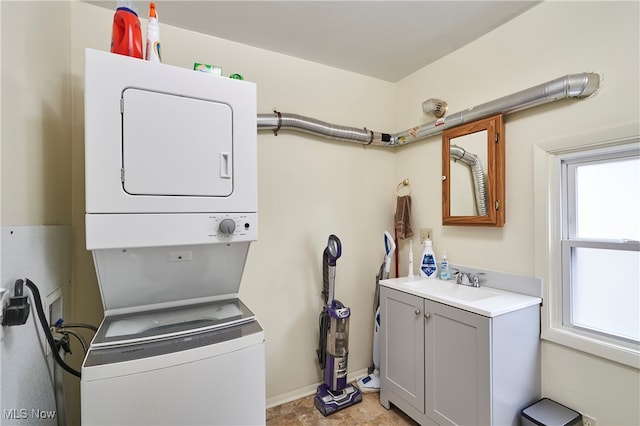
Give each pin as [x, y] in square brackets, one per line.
[36, 113]
[310, 188]
[549, 41]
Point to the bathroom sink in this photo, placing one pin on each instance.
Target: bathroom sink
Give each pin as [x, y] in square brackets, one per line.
[485, 300]
[457, 291]
[472, 293]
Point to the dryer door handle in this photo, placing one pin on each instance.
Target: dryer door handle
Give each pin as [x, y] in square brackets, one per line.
[225, 165]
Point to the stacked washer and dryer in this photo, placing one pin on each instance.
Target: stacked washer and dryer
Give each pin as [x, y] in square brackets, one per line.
[171, 209]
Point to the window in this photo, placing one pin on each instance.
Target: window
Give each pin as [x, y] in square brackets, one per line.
[600, 249]
[587, 242]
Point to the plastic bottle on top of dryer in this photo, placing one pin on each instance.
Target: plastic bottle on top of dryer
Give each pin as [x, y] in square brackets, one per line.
[126, 36]
[153, 36]
[428, 264]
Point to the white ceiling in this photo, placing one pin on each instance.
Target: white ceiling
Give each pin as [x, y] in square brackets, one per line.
[383, 39]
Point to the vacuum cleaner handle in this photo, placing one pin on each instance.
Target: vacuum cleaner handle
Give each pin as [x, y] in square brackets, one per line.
[334, 249]
[333, 252]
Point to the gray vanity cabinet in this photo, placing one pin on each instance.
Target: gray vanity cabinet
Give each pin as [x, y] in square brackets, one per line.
[457, 357]
[446, 366]
[402, 346]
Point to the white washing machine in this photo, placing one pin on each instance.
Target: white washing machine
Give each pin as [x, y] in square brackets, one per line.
[171, 210]
[182, 366]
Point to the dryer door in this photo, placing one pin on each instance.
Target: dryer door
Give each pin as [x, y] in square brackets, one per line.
[175, 145]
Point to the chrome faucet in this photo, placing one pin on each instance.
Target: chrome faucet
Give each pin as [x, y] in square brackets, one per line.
[476, 279]
[466, 278]
[462, 278]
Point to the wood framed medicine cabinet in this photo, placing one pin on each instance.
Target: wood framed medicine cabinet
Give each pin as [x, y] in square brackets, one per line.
[473, 173]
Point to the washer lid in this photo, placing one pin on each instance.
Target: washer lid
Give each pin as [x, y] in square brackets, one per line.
[141, 279]
[164, 323]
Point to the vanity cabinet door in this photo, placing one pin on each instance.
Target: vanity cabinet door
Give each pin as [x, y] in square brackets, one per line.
[402, 346]
[457, 364]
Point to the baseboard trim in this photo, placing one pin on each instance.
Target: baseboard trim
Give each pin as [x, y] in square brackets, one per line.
[283, 398]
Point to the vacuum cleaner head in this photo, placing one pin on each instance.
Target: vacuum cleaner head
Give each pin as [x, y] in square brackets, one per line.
[328, 401]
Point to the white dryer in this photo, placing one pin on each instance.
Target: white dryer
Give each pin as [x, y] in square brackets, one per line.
[171, 210]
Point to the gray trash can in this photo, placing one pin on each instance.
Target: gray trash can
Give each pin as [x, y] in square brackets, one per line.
[547, 412]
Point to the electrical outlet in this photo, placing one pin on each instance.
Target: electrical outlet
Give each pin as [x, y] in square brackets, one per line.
[425, 234]
[588, 421]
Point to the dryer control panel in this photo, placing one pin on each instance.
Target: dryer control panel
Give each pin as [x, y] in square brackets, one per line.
[230, 226]
[157, 230]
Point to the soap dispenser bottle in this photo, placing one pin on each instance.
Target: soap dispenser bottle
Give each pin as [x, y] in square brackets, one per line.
[428, 265]
[445, 272]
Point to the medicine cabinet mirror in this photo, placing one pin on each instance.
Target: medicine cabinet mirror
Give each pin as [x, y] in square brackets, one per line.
[473, 173]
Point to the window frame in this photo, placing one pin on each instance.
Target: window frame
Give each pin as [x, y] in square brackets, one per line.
[550, 248]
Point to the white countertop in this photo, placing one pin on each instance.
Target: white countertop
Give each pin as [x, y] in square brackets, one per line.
[485, 300]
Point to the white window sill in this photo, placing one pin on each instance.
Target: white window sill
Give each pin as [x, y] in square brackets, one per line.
[567, 337]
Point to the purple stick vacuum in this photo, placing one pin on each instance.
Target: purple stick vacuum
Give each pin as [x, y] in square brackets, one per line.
[334, 394]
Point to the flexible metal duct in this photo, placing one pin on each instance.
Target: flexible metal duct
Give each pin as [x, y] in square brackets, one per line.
[570, 86]
[477, 175]
[279, 120]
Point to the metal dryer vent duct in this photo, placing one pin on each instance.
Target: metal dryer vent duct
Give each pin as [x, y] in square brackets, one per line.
[570, 86]
[477, 175]
[280, 120]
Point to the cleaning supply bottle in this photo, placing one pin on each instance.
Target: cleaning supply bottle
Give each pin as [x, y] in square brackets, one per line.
[126, 36]
[445, 272]
[153, 36]
[428, 265]
[410, 274]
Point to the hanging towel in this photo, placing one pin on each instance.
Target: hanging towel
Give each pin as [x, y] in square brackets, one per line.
[403, 217]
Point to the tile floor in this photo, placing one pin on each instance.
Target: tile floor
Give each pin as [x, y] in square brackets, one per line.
[367, 412]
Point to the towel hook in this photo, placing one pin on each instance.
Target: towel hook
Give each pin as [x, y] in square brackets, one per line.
[403, 184]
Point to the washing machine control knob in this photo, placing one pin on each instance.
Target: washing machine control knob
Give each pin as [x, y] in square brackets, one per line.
[227, 226]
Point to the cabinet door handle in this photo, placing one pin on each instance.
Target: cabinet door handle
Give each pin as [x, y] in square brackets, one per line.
[427, 315]
[417, 312]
